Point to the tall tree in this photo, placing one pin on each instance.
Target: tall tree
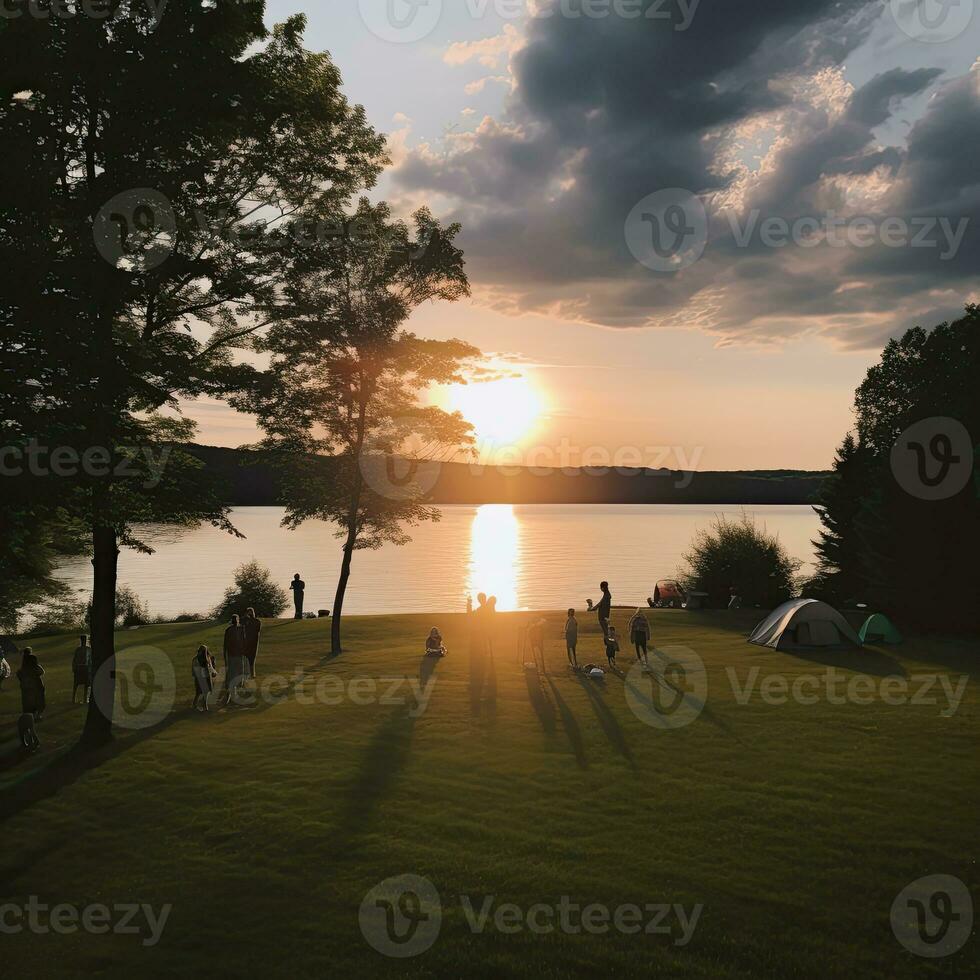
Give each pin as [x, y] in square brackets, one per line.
[908, 550]
[152, 163]
[346, 380]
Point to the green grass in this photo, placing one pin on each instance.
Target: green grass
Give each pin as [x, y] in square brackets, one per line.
[794, 825]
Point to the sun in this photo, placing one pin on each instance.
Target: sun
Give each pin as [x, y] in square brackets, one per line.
[502, 411]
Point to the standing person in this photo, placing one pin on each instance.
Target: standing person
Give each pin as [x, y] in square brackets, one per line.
[234, 653]
[204, 673]
[81, 666]
[604, 609]
[252, 626]
[298, 587]
[4, 670]
[30, 676]
[612, 647]
[640, 635]
[571, 639]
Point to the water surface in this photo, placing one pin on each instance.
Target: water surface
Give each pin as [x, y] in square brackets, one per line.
[533, 556]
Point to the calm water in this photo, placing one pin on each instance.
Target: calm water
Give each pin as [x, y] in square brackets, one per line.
[542, 556]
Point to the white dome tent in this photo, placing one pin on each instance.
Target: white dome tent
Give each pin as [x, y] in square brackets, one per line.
[804, 624]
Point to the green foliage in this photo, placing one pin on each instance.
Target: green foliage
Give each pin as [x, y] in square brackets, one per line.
[254, 588]
[911, 558]
[197, 137]
[739, 553]
[346, 378]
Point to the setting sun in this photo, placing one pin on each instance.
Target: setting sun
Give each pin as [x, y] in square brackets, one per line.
[502, 411]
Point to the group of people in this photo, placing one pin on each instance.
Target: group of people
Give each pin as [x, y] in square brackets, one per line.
[240, 650]
[638, 627]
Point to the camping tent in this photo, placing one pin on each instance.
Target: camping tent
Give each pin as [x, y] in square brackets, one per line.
[803, 624]
[880, 629]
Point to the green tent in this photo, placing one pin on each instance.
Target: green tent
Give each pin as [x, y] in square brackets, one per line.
[880, 629]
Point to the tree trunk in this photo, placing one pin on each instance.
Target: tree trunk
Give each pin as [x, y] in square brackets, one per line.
[98, 722]
[338, 602]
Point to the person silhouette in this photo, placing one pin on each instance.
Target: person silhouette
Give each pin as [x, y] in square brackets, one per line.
[298, 587]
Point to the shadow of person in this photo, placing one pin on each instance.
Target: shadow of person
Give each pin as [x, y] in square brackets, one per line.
[569, 724]
[540, 701]
[427, 669]
[607, 719]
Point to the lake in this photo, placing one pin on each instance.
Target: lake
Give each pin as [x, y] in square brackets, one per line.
[535, 556]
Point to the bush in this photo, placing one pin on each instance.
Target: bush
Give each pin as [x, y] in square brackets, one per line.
[131, 610]
[253, 588]
[65, 615]
[737, 553]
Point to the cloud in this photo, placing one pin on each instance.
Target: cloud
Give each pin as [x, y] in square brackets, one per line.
[474, 88]
[749, 109]
[488, 51]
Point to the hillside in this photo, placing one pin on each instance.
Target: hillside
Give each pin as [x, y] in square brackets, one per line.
[251, 481]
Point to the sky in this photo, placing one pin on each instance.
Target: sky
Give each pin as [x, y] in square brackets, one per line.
[688, 233]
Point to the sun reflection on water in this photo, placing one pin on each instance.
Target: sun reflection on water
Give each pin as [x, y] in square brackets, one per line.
[495, 554]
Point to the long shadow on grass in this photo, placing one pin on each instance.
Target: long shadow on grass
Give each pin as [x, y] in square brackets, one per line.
[540, 701]
[68, 767]
[568, 722]
[672, 689]
[386, 756]
[606, 718]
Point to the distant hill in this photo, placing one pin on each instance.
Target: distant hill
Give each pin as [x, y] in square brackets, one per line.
[251, 482]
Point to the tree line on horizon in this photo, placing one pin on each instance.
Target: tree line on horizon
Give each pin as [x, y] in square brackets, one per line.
[181, 193]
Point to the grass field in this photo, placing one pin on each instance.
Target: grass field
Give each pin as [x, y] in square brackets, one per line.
[793, 827]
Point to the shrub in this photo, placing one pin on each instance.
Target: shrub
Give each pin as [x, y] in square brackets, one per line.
[740, 554]
[63, 615]
[131, 610]
[253, 588]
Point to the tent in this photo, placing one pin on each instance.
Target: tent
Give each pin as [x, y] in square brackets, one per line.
[804, 624]
[880, 629]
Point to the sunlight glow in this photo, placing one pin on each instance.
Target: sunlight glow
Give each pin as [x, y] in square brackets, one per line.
[501, 411]
[495, 552]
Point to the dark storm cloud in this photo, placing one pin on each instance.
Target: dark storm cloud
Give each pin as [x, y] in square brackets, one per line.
[607, 110]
